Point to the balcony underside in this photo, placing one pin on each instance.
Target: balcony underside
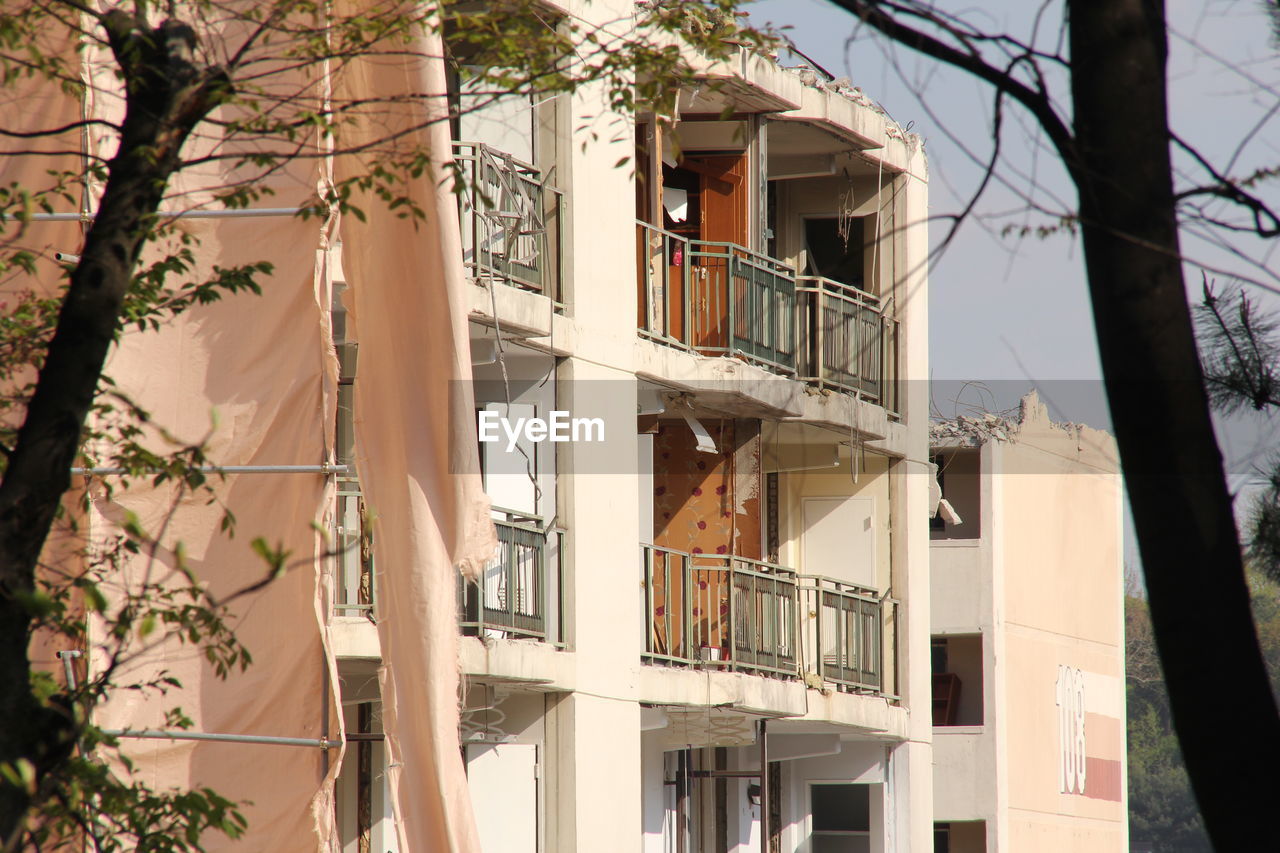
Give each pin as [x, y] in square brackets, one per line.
[791, 702]
[744, 390]
[520, 663]
[491, 660]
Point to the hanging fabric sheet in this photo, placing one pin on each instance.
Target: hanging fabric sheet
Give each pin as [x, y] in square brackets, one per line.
[416, 439]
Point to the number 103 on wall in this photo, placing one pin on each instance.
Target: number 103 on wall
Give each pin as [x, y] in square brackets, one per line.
[1069, 693]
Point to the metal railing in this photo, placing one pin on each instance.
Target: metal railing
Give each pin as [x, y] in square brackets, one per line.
[353, 547]
[725, 612]
[662, 259]
[517, 595]
[510, 220]
[716, 298]
[844, 631]
[744, 615]
[847, 342]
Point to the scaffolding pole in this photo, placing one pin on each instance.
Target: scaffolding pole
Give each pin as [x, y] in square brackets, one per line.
[180, 734]
[233, 469]
[173, 214]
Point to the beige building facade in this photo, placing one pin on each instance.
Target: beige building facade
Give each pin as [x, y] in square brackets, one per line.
[708, 626]
[1028, 637]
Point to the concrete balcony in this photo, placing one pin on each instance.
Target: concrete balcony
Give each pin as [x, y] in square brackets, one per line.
[792, 701]
[760, 637]
[748, 337]
[517, 596]
[520, 663]
[510, 619]
[510, 219]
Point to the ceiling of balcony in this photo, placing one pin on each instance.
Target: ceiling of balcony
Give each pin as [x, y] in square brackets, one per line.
[797, 148]
[731, 94]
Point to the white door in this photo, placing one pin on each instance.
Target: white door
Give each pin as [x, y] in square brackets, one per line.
[840, 539]
[503, 779]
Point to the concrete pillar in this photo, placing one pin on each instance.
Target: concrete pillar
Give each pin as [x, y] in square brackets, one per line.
[913, 761]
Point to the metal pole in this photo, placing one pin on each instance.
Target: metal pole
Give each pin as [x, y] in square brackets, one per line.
[765, 793]
[324, 714]
[68, 667]
[69, 670]
[325, 468]
[178, 734]
[682, 796]
[172, 214]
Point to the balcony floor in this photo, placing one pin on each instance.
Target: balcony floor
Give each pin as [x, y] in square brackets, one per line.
[772, 697]
[534, 665]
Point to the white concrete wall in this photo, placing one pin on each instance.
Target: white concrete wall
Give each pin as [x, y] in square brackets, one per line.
[960, 599]
[913, 813]
[598, 738]
[964, 772]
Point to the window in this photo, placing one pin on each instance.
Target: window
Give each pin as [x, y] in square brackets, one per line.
[960, 478]
[957, 680]
[936, 521]
[968, 836]
[841, 815]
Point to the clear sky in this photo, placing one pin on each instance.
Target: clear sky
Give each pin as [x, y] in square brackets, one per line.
[1009, 311]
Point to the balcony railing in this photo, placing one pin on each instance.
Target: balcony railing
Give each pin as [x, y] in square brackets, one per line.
[736, 614]
[510, 219]
[722, 299]
[725, 612]
[518, 594]
[843, 628]
[847, 342]
[353, 547]
[716, 299]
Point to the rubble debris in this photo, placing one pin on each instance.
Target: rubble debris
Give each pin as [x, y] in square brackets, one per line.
[980, 427]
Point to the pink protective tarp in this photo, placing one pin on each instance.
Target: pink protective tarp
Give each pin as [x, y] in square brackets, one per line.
[259, 363]
[266, 366]
[254, 379]
[415, 438]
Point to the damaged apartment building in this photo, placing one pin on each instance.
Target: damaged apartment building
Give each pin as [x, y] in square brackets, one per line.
[719, 618]
[708, 628]
[1027, 633]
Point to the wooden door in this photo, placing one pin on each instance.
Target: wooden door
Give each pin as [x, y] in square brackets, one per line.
[724, 197]
[724, 204]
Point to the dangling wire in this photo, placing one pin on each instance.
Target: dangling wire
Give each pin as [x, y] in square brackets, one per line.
[844, 216]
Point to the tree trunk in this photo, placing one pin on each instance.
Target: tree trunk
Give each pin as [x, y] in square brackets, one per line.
[1181, 506]
[167, 93]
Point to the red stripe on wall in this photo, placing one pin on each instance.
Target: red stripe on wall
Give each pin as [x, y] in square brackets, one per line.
[1102, 778]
